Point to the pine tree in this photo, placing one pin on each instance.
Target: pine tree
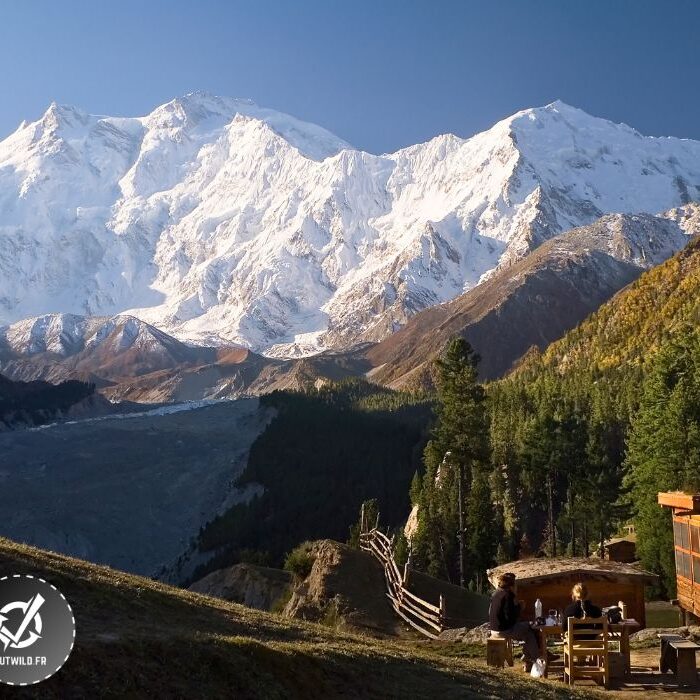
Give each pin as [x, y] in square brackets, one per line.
[506, 408]
[369, 514]
[602, 510]
[401, 547]
[664, 450]
[416, 488]
[461, 430]
[481, 531]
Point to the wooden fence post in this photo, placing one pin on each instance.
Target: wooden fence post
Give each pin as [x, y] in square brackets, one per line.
[423, 616]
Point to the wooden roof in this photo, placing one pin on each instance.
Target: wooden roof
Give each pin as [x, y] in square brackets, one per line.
[546, 568]
[628, 539]
[680, 501]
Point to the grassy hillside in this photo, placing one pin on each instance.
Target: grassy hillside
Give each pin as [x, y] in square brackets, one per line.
[623, 336]
[141, 639]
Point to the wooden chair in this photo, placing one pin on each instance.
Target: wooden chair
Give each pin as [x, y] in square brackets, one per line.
[582, 642]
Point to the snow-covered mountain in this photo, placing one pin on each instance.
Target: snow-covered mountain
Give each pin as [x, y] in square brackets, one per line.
[218, 220]
[66, 335]
[538, 299]
[55, 347]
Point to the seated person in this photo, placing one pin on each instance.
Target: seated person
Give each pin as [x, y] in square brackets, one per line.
[580, 605]
[504, 612]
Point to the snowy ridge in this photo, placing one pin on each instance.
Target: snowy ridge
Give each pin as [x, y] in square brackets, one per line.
[66, 335]
[223, 222]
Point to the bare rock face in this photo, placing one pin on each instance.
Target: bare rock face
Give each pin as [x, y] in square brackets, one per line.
[255, 586]
[412, 523]
[346, 588]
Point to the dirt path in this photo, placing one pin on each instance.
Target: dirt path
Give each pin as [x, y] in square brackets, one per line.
[646, 683]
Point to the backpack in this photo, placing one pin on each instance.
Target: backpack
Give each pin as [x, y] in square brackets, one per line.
[614, 614]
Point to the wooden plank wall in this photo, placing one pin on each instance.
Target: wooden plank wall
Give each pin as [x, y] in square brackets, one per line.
[625, 552]
[686, 536]
[603, 591]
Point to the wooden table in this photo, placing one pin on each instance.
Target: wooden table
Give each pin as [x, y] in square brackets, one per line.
[618, 632]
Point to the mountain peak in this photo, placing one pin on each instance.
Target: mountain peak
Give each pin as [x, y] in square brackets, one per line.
[560, 116]
[553, 110]
[206, 98]
[560, 106]
[205, 111]
[60, 115]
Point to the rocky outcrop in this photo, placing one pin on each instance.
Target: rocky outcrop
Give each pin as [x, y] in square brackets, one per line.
[651, 633]
[466, 635]
[255, 586]
[411, 523]
[346, 588]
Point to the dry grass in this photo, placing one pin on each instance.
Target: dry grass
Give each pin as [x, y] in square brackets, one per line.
[138, 638]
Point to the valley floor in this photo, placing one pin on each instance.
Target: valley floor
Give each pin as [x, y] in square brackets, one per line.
[67, 487]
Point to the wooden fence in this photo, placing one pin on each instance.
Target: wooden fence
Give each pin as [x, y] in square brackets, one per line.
[428, 619]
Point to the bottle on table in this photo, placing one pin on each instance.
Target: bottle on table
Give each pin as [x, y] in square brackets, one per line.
[538, 609]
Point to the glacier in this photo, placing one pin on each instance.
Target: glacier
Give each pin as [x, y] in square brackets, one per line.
[222, 222]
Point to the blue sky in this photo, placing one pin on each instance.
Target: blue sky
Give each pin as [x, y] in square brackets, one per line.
[380, 74]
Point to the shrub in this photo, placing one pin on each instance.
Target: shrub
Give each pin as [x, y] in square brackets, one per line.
[300, 560]
[331, 615]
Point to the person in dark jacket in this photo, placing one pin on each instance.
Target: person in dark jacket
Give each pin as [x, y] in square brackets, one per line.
[580, 605]
[504, 614]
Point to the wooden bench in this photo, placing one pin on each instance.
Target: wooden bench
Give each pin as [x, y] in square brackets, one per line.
[678, 655]
[499, 651]
[686, 670]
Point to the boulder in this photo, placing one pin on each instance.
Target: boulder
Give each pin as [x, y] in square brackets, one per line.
[467, 635]
[652, 632]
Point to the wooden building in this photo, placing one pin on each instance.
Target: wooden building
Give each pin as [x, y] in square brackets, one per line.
[622, 549]
[551, 580]
[686, 541]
